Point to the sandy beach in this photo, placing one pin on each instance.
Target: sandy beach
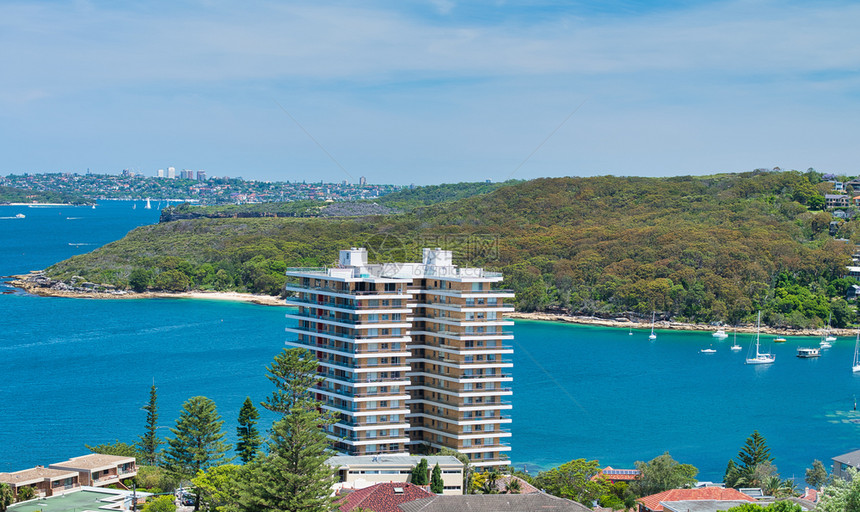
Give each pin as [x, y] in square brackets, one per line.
[30, 284]
[26, 283]
[627, 324]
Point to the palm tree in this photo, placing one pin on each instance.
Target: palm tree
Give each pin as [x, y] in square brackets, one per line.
[513, 485]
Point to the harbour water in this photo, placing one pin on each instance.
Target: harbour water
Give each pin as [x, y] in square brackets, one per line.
[76, 371]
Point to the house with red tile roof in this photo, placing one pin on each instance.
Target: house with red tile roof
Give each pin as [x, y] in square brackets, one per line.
[653, 503]
[613, 475]
[383, 497]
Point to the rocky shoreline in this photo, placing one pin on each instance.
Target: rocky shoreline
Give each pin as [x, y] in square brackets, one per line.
[625, 323]
[37, 283]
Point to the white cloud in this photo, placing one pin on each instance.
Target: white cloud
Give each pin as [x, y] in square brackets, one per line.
[447, 91]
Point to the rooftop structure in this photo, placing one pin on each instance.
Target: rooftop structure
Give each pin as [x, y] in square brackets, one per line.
[654, 502]
[83, 499]
[99, 470]
[494, 503]
[382, 497]
[412, 353]
[360, 471]
[44, 481]
[841, 463]
[617, 475]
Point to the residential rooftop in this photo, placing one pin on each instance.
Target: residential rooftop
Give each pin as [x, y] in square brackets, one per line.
[345, 461]
[36, 474]
[94, 461]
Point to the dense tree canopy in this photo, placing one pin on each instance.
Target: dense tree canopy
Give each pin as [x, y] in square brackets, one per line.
[714, 248]
[573, 480]
[661, 474]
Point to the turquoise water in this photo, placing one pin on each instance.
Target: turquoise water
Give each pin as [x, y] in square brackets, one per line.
[75, 371]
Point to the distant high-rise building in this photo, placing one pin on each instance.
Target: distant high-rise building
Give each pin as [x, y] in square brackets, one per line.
[171, 172]
[186, 174]
[201, 175]
[362, 181]
[160, 173]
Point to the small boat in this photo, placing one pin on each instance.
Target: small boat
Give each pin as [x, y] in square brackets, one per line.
[148, 206]
[827, 336]
[779, 340]
[855, 368]
[631, 331]
[94, 207]
[825, 344]
[652, 336]
[760, 357]
[708, 351]
[735, 347]
[720, 334]
[19, 216]
[805, 353]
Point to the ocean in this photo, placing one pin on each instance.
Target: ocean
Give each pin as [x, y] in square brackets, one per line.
[78, 371]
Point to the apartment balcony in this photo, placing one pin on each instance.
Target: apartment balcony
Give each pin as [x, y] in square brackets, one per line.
[360, 424]
[351, 324]
[456, 363]
[466, 308]
[460, 392]
[404, 337]
[366, 408]
[358, 397]
[461, 418]
[348, 294]
[362, 378]
[359, 351]
[461, 404]
[458, 432]
[347, 308]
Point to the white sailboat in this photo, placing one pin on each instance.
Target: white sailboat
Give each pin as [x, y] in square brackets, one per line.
[760, 357]
[148, 206]
[856, 366]
[827, 336]
[735, 347]
[653, 336]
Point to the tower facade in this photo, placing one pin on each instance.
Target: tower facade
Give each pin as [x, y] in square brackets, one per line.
[412, 354]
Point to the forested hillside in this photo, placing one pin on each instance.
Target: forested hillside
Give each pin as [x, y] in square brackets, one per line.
[692, 248]
[396, 202]
[20, 195]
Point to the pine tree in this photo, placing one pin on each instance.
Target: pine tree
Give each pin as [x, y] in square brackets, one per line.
[198, 443]
[249, 438]
[294, 476]
[294, 373]
[149, 441]
[754, 452]
[419, 473]
[436, 484]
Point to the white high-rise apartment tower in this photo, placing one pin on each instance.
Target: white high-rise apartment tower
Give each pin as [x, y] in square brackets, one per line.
[412, 354]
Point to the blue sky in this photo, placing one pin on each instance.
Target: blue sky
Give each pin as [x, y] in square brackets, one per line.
[429, 92]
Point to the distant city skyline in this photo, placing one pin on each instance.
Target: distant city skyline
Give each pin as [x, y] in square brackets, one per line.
[429, 92]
